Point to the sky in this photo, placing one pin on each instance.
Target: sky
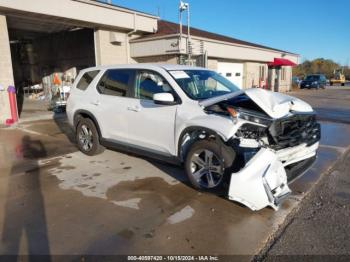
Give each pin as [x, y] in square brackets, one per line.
[311, 28]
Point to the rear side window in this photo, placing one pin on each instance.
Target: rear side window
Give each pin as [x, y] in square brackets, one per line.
[116, 82]
[86, 79]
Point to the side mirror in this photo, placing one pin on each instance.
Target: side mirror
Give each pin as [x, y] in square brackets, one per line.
[164, 99]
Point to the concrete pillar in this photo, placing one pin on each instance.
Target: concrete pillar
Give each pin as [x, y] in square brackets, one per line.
[110, 47]
[6, 73]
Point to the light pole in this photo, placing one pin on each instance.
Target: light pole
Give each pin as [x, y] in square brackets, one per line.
[183, 7]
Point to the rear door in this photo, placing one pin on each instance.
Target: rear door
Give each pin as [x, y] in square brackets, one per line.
[111, 102]
[151, 126]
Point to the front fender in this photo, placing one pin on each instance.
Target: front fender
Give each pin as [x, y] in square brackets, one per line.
[222, 126]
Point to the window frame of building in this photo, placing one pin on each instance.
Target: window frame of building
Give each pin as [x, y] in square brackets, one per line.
[283, 74]
[262, 72]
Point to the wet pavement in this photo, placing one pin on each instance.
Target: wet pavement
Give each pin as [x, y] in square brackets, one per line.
[55, 200]
[331, 104]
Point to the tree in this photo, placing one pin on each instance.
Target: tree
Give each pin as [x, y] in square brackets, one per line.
[319, 66]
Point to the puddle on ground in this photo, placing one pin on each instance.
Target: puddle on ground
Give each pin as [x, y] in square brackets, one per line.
[80, 174]
[152, 194]
[126, 233]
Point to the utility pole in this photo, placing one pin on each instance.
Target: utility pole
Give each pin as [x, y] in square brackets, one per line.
[188, 33]
[180, 23]
[183, 7]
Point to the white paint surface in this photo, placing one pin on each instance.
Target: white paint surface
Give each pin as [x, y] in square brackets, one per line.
[130, 203]
[184, 214]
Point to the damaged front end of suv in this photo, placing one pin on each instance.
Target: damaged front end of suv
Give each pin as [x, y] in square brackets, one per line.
[275, 138]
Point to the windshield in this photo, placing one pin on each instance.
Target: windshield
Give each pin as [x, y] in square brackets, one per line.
[312, 78]
[203, 84]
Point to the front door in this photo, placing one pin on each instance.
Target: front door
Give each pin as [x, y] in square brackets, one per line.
[151, 126]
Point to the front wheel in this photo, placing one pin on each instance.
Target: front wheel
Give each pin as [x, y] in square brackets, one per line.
[208, 164]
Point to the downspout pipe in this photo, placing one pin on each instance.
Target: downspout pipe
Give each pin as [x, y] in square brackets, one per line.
[127, 40]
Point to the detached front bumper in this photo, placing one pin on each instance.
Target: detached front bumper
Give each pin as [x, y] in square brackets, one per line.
[264, 179]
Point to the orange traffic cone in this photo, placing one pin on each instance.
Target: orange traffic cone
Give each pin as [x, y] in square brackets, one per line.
[56, 79]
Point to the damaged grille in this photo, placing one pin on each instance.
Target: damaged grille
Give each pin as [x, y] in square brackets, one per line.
[294, 130]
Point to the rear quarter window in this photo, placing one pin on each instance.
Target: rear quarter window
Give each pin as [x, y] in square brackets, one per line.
[116, 82]
[86, 79]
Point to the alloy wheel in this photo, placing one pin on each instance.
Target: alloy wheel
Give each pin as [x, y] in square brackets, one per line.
[85, 138]
[207, 168]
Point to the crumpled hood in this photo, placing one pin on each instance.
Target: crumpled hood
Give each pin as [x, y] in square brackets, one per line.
[276, 105]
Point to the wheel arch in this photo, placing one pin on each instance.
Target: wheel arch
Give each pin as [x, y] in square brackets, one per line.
[86, 114]
[192, 134]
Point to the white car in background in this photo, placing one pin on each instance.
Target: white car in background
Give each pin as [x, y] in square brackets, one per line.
[247, 144]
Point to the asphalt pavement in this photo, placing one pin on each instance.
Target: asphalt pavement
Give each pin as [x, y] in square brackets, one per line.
[320, 229]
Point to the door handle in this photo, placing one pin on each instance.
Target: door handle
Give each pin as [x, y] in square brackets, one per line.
[95, 103]
[134, 108]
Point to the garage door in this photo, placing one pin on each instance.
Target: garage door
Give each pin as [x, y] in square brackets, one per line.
[232, 71]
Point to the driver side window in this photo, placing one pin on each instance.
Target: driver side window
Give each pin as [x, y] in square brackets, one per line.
[149, 83]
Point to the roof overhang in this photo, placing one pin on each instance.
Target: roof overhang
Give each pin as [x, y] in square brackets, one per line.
[85, 13]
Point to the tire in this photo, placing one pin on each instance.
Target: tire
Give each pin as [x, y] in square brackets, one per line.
[331, 83]
[205, 174]
[342, 84]
[87, 138]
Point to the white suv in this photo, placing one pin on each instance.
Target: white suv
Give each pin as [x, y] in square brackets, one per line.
[248, 144]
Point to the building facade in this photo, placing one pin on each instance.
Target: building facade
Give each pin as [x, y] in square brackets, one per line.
[54, 36]
[246, 64]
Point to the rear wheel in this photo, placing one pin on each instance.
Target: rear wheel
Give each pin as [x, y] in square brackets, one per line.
[87, 138]
[208, 164]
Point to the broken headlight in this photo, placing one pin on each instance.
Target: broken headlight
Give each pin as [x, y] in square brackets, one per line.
[255, 118]
[250, 131]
